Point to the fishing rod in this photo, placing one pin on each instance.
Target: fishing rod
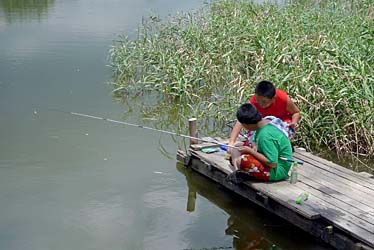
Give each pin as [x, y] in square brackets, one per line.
[139, 126]
[291, 160]
[153, 129]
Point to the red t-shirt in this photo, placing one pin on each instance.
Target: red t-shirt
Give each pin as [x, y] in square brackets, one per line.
[278, 108]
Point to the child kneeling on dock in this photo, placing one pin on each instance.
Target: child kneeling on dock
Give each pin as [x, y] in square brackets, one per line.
[263, 160]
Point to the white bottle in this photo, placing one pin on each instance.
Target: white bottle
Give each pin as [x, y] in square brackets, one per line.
[293, 177]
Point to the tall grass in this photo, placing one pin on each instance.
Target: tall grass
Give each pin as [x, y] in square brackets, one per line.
[208, 62]
[13, 9]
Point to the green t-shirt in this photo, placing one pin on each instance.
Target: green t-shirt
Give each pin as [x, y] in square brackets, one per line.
[272, 143]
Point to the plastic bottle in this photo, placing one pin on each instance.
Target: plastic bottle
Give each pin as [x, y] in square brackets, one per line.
[293, 177]
[301, 198]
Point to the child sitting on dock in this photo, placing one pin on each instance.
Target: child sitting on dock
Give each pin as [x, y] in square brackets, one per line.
[270, 101]
[263, 160]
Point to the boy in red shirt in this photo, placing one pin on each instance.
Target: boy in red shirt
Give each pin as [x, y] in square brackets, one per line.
[270, 101]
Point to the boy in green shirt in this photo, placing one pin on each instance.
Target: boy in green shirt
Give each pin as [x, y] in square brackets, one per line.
[263, 160]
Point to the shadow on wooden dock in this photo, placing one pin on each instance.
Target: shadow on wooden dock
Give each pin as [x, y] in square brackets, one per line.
[340, 207]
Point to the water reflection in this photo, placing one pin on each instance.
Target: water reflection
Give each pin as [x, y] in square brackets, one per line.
[240, 223]
[250, 227]
[25, 9]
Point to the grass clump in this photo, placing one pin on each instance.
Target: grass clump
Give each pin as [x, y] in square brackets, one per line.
[321, 53]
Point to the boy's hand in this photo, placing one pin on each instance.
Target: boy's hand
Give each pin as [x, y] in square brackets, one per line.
[292, 130]
[229, 149]
[293, 126]
[253, 146]
[246, 150]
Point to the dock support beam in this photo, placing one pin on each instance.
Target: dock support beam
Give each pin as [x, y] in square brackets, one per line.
[193, 131]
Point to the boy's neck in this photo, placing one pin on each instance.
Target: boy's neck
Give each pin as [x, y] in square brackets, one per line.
[262, 123]
[256, 126]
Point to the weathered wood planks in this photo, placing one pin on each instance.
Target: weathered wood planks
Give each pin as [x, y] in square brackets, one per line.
[340, 208]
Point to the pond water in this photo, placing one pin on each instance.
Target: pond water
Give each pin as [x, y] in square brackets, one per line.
[73, 183]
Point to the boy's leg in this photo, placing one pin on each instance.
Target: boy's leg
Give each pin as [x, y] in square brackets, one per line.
[235, 160]
[236, 157]
[254, 168]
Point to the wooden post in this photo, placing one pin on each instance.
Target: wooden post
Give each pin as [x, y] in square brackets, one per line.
[191, 199]
[193, 132]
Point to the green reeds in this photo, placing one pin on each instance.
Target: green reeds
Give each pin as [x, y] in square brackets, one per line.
[207, 63]
[25, 8]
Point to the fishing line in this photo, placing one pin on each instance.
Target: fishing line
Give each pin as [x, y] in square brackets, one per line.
[137, 126]
[149, 128]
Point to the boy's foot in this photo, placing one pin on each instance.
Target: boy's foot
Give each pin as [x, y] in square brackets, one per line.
[238, 177]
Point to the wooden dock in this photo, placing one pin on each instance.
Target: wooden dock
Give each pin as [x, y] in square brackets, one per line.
[340, 207]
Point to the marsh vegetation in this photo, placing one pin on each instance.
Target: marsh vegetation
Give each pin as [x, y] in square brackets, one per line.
[25, 9]
[205, 64]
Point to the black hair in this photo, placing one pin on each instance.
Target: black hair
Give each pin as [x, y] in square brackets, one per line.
[248, 114]
[266, 89]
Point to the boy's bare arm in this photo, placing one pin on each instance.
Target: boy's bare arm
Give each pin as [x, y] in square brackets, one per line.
[294, 110]
[234, 135]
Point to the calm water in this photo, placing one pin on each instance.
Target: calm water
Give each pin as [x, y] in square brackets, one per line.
[73, 183]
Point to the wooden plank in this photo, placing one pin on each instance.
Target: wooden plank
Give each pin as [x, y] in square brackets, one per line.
[346, 221]
[333, 167]
[355, 197]
[337, 195]
[355, 208]
[250, 193]
[339, 204]
[271, 189]
[216, 160]
[342, 172]
[334, 210]
[281, 192]
[334, 184]
[211, 191]
[182, 157]
[365, 174]
[352, 225]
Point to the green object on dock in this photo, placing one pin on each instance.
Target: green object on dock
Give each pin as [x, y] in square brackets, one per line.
[209, 150]
[301, 198]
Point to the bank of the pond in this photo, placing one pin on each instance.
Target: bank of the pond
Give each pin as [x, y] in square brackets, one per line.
[322, 54]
